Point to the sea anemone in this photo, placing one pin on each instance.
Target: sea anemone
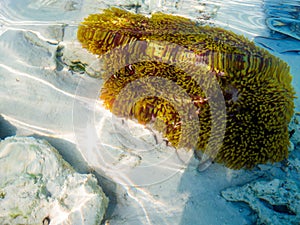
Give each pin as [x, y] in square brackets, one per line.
[255, 85]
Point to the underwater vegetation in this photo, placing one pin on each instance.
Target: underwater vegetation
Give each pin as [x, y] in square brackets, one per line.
[256, 86]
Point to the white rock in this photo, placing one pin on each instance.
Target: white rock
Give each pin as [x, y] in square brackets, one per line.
[36, 183]
[276, 202]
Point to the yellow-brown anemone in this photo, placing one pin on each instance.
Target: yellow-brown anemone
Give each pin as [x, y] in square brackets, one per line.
[256, 86]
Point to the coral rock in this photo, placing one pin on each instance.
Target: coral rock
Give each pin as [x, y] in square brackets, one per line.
[276, 202]
[37, 187]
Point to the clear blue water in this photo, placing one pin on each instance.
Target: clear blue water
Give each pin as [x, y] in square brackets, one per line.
[44, 93]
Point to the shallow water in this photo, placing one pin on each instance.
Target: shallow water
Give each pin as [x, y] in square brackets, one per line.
[148, 182]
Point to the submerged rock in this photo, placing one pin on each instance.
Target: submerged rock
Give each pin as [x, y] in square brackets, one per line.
[276, 202]
[37, 186]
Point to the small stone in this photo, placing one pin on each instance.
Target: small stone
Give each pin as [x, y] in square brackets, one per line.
[291, 147]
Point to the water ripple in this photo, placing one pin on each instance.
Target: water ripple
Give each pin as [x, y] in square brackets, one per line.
[39, 10]
[244, 17]
[283, 18]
